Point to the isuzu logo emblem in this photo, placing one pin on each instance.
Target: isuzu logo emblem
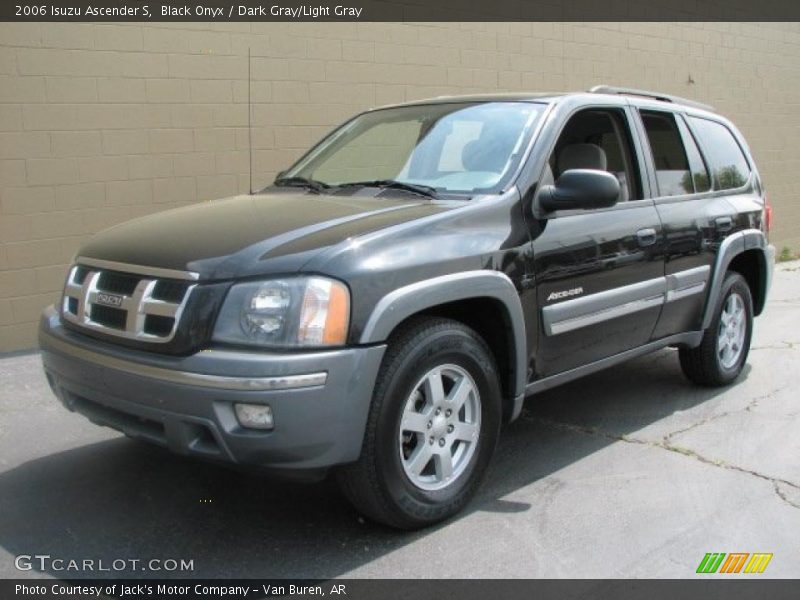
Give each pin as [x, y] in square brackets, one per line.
[109, 299]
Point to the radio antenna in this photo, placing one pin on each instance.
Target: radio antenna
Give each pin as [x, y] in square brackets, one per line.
[249, 123]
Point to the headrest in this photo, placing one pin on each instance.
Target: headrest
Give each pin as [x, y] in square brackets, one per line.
[581, 156]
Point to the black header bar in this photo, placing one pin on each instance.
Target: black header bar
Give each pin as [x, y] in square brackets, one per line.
[399, 10]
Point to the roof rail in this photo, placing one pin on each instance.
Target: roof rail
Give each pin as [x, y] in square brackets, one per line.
[608, 89]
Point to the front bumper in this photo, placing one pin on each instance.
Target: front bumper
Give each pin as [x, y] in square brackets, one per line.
[319, 400]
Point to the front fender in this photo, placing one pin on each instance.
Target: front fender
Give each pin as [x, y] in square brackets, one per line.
[411, 299]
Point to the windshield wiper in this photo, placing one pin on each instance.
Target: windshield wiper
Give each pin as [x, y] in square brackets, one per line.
[414, 188]
[312, 184]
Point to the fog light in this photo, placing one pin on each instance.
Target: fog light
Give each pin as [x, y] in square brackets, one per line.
[254, 416]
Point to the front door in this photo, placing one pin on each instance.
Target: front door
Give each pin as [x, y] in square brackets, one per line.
[599, 273]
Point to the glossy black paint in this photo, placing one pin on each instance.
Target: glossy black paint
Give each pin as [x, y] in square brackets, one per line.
[472, 235]
[379, 241]
[695, 226]
[596, 251]
[276, 231]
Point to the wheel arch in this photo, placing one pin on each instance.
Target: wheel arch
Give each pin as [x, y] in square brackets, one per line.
[747, 253]
[750, 264]
[478, 299]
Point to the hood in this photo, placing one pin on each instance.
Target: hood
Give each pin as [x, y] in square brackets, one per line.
[272, 232]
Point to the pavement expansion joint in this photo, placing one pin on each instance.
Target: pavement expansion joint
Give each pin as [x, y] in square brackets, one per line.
[778, 484]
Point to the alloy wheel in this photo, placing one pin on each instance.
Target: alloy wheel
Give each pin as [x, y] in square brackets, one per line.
[440, 427]
[732, 330]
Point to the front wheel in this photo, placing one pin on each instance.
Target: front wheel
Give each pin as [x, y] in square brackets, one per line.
[720, 357]
[432, 428]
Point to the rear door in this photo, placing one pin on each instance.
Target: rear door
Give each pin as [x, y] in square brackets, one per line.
[733, 174]
[695, 212]
[599, 273]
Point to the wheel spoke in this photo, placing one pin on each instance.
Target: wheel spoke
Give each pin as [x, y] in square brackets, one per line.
[433, 424]
[459, 394]
[466, 432]
[421, 458]
[444, 464]
[434, 389]
[725, 353]
[414, 421]
[732, 331]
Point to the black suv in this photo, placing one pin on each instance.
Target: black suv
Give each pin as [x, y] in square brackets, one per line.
[392, 299]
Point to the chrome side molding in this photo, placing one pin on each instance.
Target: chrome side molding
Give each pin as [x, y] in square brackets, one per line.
[624, 300]
[686, 283]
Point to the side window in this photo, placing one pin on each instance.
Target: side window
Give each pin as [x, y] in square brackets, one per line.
[725, 157]
[700, 177]
[598, 139]
[669, 156]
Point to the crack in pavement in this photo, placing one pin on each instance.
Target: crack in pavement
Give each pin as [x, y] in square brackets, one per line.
[782, 345]
[748, 408]
[782, 495]
[665, 444]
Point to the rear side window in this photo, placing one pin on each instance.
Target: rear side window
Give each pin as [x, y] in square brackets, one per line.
[700, 178]
[726, 160]
[672, 165]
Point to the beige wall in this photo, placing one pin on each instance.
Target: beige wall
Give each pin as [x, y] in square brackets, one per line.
[100, 123]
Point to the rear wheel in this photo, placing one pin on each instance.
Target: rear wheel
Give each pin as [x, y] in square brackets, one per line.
[432, 428]
[720, 357]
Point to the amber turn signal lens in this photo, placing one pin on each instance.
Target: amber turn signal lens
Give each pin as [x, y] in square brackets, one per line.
[338, 315]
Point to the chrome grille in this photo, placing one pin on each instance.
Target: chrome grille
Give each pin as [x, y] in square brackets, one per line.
[125, 301]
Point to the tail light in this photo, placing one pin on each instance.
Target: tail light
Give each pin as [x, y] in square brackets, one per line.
[767, 213]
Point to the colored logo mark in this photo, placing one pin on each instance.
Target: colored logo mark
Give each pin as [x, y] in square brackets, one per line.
[735, 562]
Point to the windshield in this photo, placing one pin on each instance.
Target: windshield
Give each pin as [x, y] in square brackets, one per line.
[459, 148]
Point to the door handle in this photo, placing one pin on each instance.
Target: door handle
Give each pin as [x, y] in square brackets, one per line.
[646, 237]
[723, 223]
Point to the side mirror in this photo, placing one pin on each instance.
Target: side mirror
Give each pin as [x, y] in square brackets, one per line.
[582, 189]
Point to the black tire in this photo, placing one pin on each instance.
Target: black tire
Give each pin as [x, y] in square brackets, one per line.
[377, 485]
[703, 365]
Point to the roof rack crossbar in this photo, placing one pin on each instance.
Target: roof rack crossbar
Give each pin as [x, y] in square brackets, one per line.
[608, 89]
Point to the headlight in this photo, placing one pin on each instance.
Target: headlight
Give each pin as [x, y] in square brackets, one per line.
[297, 311]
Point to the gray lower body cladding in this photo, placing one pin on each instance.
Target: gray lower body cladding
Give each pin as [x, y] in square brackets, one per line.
[318, 424]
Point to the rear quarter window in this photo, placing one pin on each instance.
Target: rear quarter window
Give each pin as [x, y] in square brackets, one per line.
[729, 168]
